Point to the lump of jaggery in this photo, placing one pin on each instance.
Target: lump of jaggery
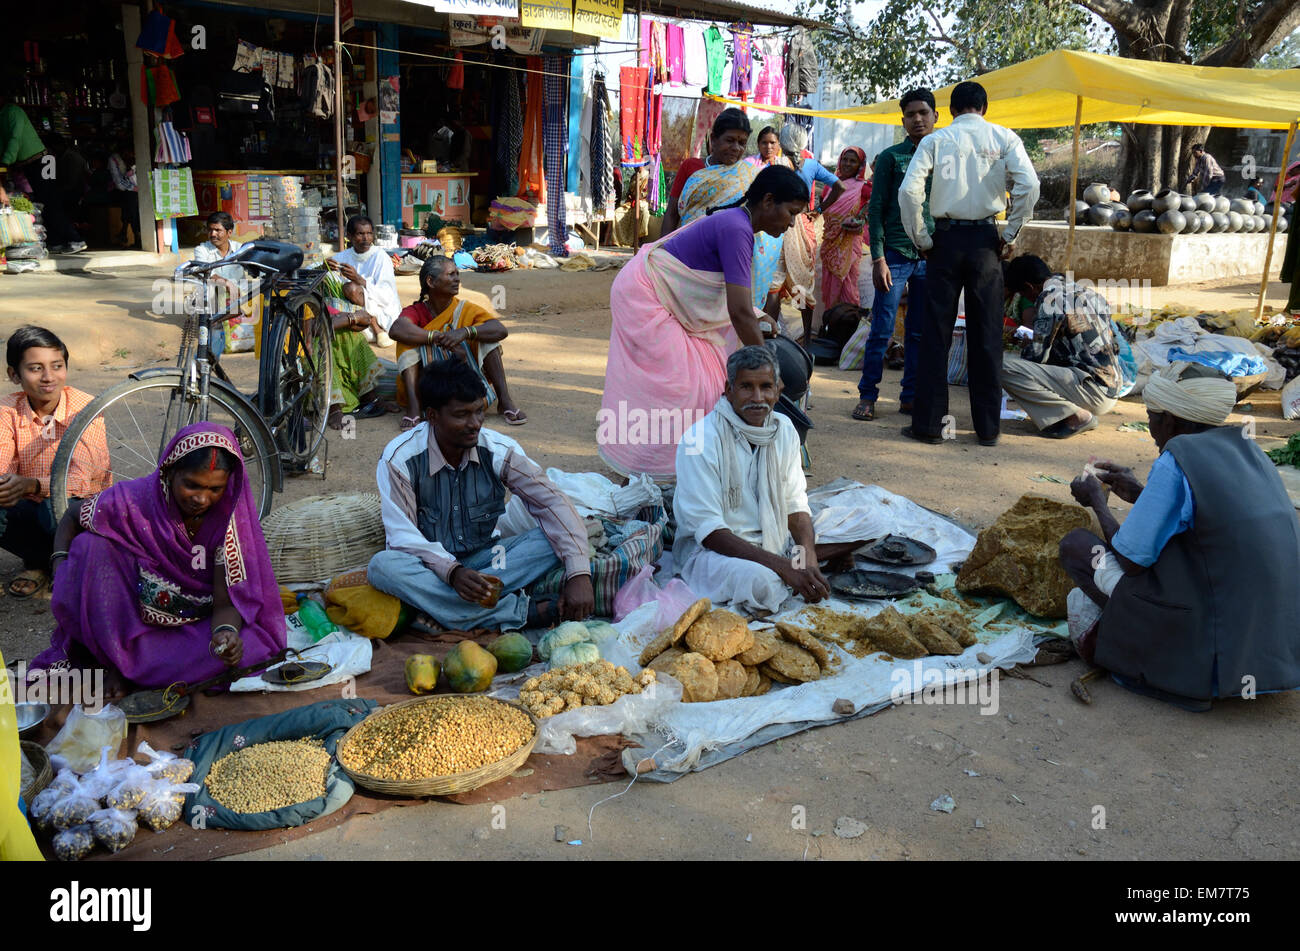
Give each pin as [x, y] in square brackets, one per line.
[889, 631]
[752, 679]
[954, 622]
[1019, 555]
[934, 638]
[731, 679]
[665, 661]
[791, 664]
[698, 677]
[765, 642]
[720, 635]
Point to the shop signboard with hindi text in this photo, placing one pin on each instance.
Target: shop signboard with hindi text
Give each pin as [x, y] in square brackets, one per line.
[547, 14]
[602, 18]
[474, 8]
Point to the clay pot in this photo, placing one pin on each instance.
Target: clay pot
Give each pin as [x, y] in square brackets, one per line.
[1101, 213]
[1096, 192]
[1080, 212]
[1190, 222]
[1204, 221]
[1281, 225]
[1171, 222]
[1204, 202]
[1249, 224]
[1122, 219]
[1241, 206]
[1234, 222]
[1140, 200]
[1259, 207]
[1144, 222]
[1187, 204]
[1219, 222]
[1166, 200]
[1222, 205]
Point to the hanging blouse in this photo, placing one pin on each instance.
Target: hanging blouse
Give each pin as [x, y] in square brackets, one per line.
[742, 74]
[770, 88]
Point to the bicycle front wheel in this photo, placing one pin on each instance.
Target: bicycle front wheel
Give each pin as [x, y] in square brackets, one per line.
[121, 436]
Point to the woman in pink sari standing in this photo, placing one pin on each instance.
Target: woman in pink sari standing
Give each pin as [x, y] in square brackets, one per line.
[670, 306]
[844, 238]
[167, 577]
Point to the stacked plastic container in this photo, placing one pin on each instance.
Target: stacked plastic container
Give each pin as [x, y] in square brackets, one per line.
[295, 217]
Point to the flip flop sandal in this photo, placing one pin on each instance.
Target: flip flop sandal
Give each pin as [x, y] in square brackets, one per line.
[39, 578]
[370, 410]
[866, 415]
[410, 422]
[512, 417]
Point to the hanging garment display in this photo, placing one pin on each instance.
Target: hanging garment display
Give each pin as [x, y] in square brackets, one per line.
[532, 179]
[456, 75]
[510, 133]
[675, 53]
[555, 122]
[632, 85]
[695, 57]
[708, 111]
[742, 60]
[577, 96]
[654, 101]
[602, 168]
[770, 88]
[715, 55]
[800, 65]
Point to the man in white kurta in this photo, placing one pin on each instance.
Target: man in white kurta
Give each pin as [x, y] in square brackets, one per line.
[744, 528]
[371, 282]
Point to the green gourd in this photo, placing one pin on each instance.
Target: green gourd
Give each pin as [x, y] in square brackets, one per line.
[513, 652]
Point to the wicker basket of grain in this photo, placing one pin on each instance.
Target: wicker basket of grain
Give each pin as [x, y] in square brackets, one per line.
[323, 536]
[437, 785]
[40, 761]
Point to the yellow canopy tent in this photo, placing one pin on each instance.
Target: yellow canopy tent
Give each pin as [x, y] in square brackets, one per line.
[1067, 87]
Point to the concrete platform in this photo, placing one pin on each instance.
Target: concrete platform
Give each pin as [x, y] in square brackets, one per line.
[103, 260]
[1103, 254]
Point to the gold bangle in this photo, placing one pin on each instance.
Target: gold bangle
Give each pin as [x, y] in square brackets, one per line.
[430, 336]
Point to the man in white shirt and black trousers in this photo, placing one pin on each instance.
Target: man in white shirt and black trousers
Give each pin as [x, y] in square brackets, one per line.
[969, 163]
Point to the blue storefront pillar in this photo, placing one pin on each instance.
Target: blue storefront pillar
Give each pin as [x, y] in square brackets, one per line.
[390, 145]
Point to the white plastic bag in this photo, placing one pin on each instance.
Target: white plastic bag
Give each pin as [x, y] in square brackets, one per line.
[113, 828]
[163, 803]
[590, 493]
[630, 714]
[85, 734]
[105, 775]
[1291, 399]
[169, 766]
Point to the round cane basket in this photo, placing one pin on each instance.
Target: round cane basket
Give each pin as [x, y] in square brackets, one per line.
[323, 536]
[40, 761]
[438, 785]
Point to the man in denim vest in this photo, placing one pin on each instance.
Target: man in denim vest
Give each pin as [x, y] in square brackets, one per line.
[443, 487]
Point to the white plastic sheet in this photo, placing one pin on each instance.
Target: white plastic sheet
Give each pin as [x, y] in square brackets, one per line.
[347, 653]
[590, 493]
[699, 735]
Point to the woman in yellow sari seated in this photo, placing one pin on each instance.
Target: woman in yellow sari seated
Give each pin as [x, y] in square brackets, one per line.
[441, 325]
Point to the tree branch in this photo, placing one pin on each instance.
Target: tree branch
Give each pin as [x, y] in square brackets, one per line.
[1123, 17]
[1278, 20]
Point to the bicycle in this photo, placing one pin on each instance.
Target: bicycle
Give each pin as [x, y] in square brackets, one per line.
[280, 426]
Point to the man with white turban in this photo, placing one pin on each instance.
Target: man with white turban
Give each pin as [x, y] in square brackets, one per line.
[1197, 589]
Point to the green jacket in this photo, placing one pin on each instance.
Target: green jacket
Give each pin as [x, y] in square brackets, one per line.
[18, 138]
[884, 220]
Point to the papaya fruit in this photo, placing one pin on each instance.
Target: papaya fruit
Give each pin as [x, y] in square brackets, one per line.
[469, 668]
[513, 652]
[421, 673]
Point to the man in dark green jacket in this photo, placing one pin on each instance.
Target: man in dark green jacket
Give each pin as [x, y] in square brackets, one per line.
[896, 263]
[21, 151]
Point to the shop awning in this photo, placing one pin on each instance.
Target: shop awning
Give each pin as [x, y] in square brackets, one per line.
[721, 11]
[1042, 93]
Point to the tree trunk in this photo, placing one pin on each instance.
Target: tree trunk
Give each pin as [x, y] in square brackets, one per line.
[1141, 158]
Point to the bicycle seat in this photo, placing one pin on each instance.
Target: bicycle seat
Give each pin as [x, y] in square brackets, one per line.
[274, 255]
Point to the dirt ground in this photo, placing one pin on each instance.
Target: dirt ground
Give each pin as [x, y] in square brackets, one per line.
[1172, 785]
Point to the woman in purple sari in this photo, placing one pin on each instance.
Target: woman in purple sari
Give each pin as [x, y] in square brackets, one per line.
[167, 577]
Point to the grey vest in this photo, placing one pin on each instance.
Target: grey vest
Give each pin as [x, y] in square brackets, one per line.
[458, 508]
[1222, 600]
